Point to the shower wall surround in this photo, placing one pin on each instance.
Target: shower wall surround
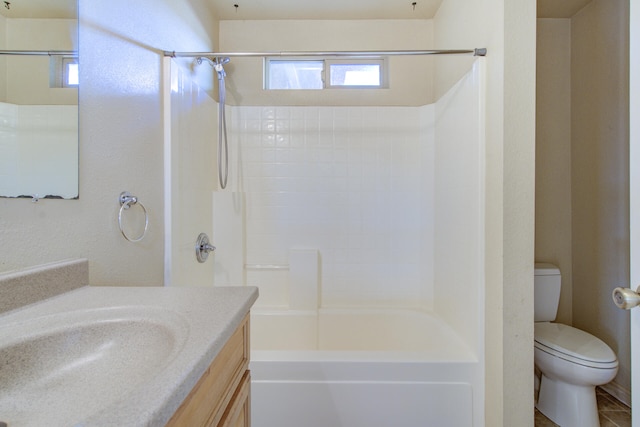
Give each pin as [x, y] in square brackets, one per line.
[356, 184]
[459, 238]
[382, 205]
[190, 177]
[389, 198]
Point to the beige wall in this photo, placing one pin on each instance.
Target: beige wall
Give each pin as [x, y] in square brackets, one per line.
[599, 170]
[507, 29]
[553, 154]
[518, 226]
[28, 76]
[121, 145]
[411, 77]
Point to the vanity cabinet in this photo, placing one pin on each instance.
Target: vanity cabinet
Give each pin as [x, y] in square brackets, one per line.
[221, 398]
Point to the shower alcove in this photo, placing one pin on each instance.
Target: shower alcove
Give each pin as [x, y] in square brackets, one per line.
[362, 226]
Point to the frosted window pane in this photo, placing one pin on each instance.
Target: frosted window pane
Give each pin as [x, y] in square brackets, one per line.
[355, 75]
[295, 74]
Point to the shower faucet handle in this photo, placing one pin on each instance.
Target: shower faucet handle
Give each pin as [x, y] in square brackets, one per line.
[626, 298]
[203, 247]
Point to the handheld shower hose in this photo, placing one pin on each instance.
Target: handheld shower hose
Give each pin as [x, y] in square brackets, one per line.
[223, 146]
[222, 124]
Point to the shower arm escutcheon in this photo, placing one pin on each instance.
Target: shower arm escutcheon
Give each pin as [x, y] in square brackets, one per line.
[203, 247]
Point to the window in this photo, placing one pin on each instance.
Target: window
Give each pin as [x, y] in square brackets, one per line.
[350, 73]
[294, 74]
[63, 71]
[327, 73]
[70, 76]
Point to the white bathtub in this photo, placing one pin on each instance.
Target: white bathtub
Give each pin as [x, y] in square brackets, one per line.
[360, 368]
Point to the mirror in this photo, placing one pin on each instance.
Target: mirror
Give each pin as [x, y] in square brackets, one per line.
[39, 98]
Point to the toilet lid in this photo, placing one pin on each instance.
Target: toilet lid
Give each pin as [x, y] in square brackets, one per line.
[574, 343]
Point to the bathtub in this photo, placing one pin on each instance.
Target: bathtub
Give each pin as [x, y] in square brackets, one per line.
[361, 368]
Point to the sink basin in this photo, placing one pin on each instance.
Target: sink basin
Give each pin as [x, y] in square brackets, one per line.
[60, 369]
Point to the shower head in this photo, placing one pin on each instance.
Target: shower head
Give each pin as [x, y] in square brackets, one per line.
[217, 64]
[216, 61]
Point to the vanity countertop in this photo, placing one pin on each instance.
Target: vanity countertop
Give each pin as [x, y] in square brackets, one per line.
[205, 317]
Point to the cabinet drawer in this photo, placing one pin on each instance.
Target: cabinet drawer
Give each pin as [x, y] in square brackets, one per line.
[238, 413]
[206, 403]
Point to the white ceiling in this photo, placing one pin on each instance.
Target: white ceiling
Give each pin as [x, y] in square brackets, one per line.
[325, 9]
[293, 9]
[39, 9]
[361, 9]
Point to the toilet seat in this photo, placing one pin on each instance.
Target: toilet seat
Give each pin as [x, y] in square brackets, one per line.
[574, 345]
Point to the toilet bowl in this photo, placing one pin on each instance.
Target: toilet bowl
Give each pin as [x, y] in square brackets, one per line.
[572, 362]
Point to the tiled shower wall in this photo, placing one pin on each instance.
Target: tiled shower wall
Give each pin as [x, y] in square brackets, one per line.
[354, 183]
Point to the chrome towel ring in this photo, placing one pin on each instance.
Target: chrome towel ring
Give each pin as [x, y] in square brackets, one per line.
[127, 200]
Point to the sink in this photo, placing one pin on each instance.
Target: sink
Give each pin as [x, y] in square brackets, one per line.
[59, 369]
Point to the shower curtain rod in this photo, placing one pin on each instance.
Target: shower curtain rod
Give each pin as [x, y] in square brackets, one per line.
[40, 52]
[364, 53]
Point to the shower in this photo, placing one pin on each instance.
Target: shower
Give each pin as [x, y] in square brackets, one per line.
[223, 147]
[319, 186]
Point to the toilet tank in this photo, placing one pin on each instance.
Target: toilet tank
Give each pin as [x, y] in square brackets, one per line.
[546, 290]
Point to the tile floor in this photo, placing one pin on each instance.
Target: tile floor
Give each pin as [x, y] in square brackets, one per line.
[612, 413]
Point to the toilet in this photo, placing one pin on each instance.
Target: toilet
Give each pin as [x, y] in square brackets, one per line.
[571, 362]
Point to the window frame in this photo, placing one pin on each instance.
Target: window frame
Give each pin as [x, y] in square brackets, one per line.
[327, 62]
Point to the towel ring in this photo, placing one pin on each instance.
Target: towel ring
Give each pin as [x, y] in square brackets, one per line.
[127, 200]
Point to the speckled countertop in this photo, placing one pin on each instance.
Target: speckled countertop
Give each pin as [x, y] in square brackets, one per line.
[203, 317]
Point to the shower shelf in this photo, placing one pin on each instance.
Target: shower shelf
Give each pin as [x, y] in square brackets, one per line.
[266, 266]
